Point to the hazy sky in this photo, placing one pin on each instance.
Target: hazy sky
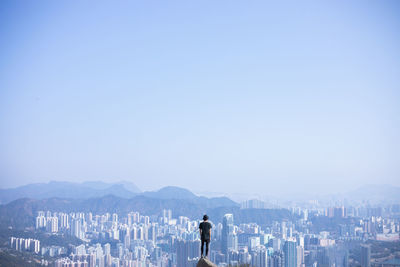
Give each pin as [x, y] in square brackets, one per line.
[227, 96]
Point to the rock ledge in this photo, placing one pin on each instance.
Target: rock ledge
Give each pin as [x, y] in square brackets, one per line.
[203, 262]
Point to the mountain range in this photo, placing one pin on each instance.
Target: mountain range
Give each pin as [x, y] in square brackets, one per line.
[21, 213]
[373, 194]
[87, 190]
[68, 190]
[23, 203]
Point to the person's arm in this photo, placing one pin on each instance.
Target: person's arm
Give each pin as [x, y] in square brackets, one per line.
[200, 229]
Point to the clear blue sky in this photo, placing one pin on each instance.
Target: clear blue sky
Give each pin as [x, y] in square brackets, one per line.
[228, 96]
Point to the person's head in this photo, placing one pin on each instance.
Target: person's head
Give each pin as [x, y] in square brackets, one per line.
[205, 217]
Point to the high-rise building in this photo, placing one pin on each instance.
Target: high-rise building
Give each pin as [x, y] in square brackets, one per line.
[227, 233]
[40, 221]
[63, 220]
[365, 256]
[52, 224]
[290, 253]
[300, 256]
[78, 228]
[283, 230]
[254, 242]
[80, 250]
[275, 260]
[259, 257]
[22, 244]
[107, 249]
[133, 217]
[276, 244]
[115, 218]
[166, 216]
[153, 232]
[186, 250]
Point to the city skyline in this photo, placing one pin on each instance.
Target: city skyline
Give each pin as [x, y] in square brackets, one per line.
[214, 97]
[162, 238]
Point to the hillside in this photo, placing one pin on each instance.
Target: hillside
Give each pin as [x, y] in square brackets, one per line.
[68, 190]
[20, 213]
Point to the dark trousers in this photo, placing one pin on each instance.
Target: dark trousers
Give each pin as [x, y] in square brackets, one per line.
[207, 241]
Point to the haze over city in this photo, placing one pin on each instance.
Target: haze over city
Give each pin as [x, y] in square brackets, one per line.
[244, 97]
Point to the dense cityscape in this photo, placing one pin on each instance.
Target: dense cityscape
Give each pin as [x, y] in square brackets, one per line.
[329, 237]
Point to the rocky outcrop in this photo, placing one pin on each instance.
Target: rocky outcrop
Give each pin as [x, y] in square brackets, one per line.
[203, 262]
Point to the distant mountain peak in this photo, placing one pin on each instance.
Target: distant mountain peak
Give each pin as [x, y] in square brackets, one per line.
[130, 186]
[65, 189]
[175, 189]
[171, 192]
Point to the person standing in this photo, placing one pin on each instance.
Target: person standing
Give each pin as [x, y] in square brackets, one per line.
[205, 234]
